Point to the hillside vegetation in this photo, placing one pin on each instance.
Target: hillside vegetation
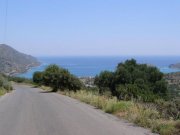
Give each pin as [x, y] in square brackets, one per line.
[133, 81]
[136, 92]
[12, 61]
[142, 114]
[5, 85]
[57, 78]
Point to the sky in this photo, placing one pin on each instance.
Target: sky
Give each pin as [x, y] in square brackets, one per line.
[92, 27]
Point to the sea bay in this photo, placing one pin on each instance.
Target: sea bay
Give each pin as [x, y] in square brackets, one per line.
[93, 65]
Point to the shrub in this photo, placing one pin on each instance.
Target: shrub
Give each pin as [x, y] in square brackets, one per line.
[19, 79]
[74, 83]
[132, 80]
[146, 117]
[57, 78]
[169, 109]
[5, 85]
[38, 77]
[104, 81]
[1, 81]
[2, 91]
[114, 106]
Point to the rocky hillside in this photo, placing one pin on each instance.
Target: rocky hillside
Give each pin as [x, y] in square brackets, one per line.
[12, 61]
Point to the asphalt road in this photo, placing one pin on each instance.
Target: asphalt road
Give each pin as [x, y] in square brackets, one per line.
[30, 111]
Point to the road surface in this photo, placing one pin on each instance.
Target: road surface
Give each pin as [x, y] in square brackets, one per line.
[30, 111]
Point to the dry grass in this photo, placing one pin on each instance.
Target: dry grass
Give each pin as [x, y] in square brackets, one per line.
[129, 110]
[134, 112]
[46, 88]
[2, 91]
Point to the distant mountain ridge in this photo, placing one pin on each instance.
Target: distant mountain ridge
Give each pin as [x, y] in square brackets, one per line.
[12, 61]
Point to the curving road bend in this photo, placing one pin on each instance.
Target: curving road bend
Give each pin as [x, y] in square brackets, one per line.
[30, 111]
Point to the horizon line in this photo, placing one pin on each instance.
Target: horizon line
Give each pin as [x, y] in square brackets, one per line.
[106, 55]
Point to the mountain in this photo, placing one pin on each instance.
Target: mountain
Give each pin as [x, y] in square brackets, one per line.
[175, 66]
[12, 61]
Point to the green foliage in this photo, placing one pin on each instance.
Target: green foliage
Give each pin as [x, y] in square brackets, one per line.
[38, 77]
[114, 106]
[74, 83]
[19, 79]
[104, 80]
[122, 76]
[166, 129]
[5, 85]
[57, 78]
[132, 80]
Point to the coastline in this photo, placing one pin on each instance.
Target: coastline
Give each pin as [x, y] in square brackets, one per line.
[27, 68]
[92, 66]
[40, 67]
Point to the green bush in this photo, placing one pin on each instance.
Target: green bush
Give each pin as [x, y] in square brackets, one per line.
[132, 80]
[1, 81]
[19, 79]
[5, 85]
[57, 78]
[38, 77]
[104, 81]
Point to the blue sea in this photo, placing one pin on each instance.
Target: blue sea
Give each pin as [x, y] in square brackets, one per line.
[91, 66]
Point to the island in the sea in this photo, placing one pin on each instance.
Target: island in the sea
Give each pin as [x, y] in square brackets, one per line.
[175, 66]
[13, 62]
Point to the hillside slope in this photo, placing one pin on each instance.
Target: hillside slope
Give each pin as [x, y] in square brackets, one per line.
[12, 61]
